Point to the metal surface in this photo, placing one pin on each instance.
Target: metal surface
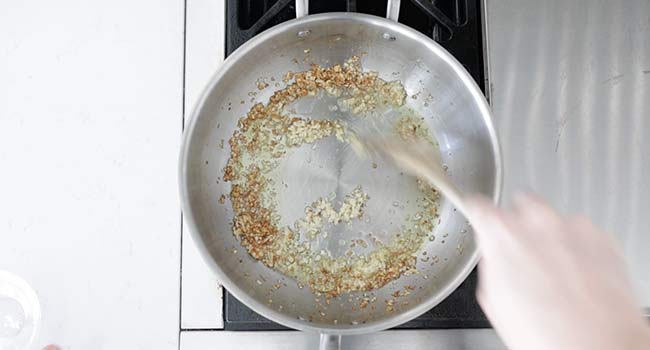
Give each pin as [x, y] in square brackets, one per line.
[459, 310]
[571, 99]
[454, 24]
[464, 40]
[459, 118]
[392, 10]
[329, 342]
[302, 8]
[528, 41]
[449, 339]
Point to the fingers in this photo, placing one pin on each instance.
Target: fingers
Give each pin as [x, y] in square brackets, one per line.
[481, 208]
[533, 210]
[590, 235]
[490, 223]
[482, 297]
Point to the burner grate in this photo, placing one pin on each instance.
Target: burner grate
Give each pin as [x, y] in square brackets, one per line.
[456, 25]
[458, 310]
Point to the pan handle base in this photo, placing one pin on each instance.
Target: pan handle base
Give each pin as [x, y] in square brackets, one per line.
[329, 342]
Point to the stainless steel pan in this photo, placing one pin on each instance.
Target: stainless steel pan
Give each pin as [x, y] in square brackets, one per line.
[456, 112]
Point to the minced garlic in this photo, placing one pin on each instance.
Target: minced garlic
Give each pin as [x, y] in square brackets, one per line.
[263, 138]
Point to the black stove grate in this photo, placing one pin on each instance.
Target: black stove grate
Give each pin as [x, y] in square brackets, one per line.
[456, 25]
[458, 310]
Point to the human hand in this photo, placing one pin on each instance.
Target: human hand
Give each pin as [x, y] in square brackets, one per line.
[553, 282]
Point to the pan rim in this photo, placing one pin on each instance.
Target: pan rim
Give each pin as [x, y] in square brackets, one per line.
[223, 277]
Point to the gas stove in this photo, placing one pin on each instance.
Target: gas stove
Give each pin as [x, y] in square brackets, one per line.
[544, 119]
[456, 25]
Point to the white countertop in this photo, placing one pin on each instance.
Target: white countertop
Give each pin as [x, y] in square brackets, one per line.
[91, 113]
[90, 125]
[201, 297]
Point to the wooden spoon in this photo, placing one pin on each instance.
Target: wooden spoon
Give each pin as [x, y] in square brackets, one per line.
[420, 159]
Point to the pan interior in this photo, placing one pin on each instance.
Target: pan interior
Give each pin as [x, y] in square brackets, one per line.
[436, 91]
[331, 169]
